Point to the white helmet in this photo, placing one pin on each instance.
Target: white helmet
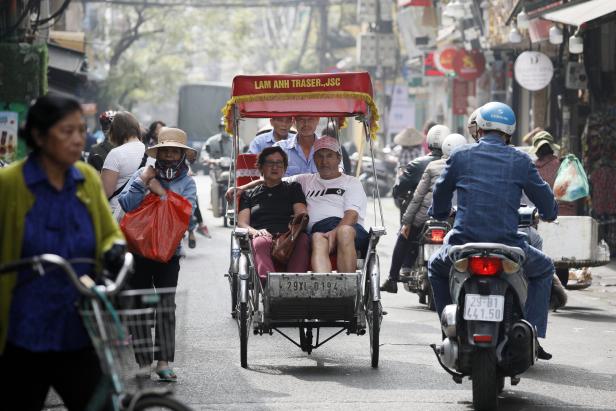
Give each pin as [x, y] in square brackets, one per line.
[471, 124]
[451, 142]
[436, 135]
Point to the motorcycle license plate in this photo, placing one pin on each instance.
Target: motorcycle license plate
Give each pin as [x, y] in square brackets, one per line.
[484, 307]
[430, 249]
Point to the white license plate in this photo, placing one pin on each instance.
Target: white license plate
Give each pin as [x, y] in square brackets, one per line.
[484, 307]
[430, 249]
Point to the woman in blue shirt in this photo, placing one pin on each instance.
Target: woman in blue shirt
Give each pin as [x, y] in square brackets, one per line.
[170, 172]
[51, 203]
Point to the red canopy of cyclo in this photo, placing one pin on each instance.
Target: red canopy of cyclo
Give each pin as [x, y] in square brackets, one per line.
[323, 95]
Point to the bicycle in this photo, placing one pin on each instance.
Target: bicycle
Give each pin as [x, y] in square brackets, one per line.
[110, 329]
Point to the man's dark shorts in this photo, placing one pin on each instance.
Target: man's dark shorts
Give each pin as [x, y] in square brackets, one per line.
[362, 238]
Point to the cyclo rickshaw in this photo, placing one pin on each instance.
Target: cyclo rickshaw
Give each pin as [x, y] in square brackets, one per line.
[306, 301]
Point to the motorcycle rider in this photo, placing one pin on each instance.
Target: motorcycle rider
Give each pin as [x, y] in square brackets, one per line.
[220, 144]
[408, 180]
[489, 178]
[217, 146]
[407, 183]
[98, 152]
[416, 214]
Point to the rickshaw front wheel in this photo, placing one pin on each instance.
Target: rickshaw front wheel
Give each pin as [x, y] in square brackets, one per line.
[374, 325]
[243, 323]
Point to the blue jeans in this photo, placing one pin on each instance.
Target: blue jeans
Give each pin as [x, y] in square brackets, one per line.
[538, 269]
[362, 238]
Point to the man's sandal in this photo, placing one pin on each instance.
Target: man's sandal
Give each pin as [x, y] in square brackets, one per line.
[166, 375]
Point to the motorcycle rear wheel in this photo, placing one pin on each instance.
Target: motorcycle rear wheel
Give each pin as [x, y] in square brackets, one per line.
[485, 380]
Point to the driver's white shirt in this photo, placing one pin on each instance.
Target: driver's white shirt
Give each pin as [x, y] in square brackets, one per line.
[331, 198]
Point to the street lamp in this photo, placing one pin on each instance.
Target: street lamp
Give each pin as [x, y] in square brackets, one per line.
[522, 19]
[556, 35]
[515, 36]
[576, 43]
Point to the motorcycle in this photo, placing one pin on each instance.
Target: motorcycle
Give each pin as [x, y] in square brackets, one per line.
[220, 173]
[385, 173]
[485, 334]
[430, 241]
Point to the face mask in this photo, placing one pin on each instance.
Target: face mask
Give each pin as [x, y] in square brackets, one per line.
[170, 169]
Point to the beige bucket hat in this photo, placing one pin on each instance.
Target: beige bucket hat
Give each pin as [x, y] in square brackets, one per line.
[542, 138]
[409, 137]
[170, 137]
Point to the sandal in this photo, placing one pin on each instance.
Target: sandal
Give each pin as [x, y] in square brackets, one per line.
[166, 375]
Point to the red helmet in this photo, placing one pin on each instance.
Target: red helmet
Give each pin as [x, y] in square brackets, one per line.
[105, 119]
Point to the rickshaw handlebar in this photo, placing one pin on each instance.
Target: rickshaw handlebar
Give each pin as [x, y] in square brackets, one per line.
[83, 284]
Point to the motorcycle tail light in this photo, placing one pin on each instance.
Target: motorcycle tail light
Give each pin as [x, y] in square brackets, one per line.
[485, 265]
[436, 236]
[479, 338]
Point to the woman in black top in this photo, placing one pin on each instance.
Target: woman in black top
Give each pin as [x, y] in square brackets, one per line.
[267, 209]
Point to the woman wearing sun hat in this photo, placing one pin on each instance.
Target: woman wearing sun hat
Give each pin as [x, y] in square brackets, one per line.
[410, 141]
[170, 172]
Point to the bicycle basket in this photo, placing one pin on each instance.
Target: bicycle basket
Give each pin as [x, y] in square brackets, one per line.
[132, 329]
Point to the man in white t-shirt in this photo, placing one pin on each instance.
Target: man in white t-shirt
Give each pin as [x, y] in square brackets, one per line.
[336, 207]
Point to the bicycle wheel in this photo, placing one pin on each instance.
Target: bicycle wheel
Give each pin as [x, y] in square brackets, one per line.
[151, 403]
[243, 323]
[233, 281]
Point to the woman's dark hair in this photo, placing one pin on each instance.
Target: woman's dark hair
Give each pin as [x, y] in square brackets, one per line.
[268, 151]
[44, 114]
[544, 150]
[123, 127]
[150, 137]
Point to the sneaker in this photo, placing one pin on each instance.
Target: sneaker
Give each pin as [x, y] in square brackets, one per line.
[543, 354]
[390, 286]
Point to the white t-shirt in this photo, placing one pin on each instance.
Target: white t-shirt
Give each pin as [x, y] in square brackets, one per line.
[331, 198]
[124, 160]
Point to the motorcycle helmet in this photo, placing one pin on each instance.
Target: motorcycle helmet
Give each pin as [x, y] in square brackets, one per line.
[451, 142]
[105, 119]
[471, 124]
[496, 116]
[436, 135]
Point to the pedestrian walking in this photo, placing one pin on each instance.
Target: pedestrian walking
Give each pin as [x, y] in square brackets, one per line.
[122, 162]
[49, 203]
[170, 172]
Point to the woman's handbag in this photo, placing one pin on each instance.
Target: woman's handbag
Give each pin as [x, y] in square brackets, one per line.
[155, 228]
[284, 244]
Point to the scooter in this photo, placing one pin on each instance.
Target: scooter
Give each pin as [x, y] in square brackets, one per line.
[385, 172]
[430, 241]
[486, 336]
[220, 174]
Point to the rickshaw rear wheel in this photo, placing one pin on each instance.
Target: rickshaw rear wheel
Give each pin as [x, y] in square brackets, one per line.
[374, 325]
[243, 322]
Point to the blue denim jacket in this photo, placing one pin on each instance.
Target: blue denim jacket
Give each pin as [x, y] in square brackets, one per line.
[489, 178]
[135, 191]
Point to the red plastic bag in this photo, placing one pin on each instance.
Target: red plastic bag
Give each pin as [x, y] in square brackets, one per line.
[155, 228]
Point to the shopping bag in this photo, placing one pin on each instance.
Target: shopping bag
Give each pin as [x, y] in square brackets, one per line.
[571, 181]
[155, 228]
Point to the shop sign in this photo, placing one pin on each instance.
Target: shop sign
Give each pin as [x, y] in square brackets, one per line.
[8, 135]
[533, 70]
[460, 97]
[469, 65]
[419, 3]
[430, 69]
[444, 59]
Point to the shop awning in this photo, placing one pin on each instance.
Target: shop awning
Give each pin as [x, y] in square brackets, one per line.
[578, 13]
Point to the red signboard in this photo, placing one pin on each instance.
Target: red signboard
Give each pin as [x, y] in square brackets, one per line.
[469, 65]
[460, 97]
[430, 68]
[444, 59]
[420, 3]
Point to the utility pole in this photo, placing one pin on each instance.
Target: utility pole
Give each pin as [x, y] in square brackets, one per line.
[322, 9]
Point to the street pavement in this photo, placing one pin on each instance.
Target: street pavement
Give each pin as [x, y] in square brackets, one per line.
[581, 336]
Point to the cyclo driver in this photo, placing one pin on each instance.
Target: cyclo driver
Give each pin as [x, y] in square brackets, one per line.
[489, 178]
